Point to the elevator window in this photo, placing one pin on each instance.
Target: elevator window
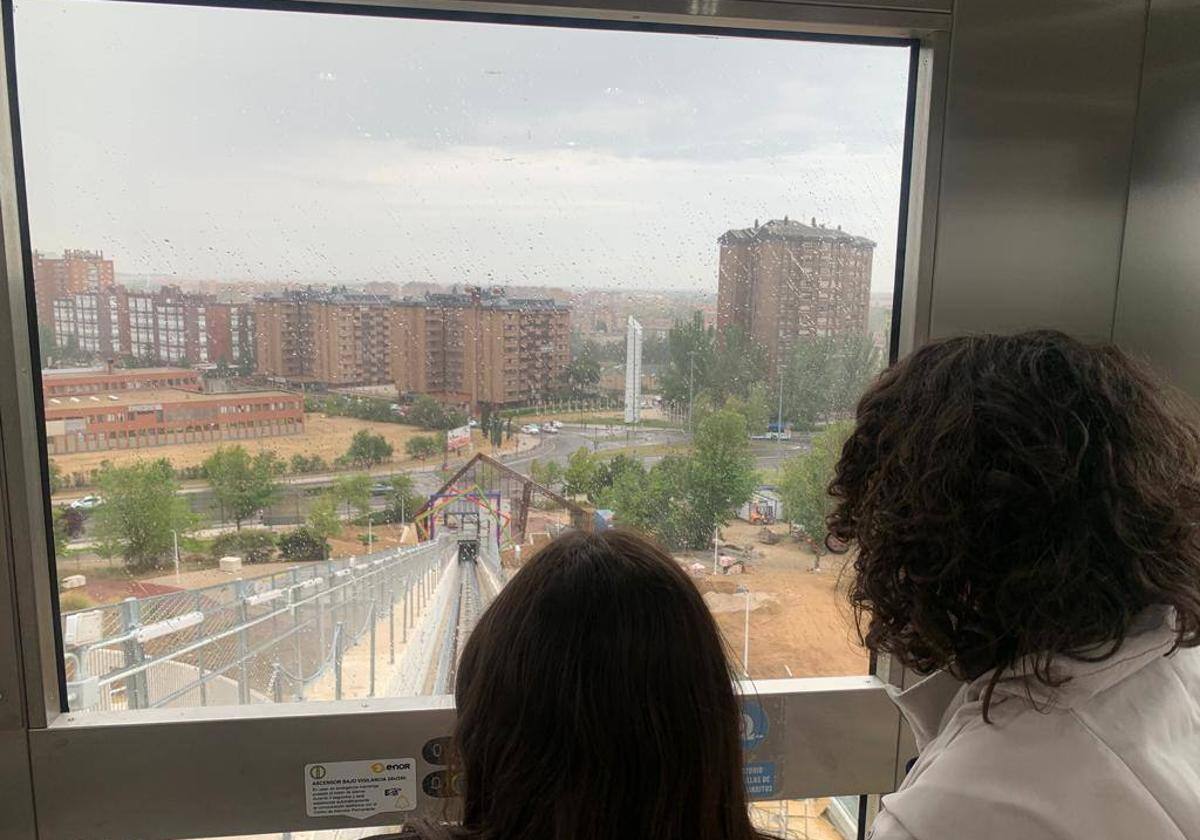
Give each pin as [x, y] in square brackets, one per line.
[339, 318]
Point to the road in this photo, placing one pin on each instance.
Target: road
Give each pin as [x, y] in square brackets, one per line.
[300, 492]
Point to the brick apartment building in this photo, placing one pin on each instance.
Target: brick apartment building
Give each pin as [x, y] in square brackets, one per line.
[480, 347]
[75, 382]
[74, 272]
[476, 347]
[168, 326]
[323, 337]
[143, 417]
[784, 280]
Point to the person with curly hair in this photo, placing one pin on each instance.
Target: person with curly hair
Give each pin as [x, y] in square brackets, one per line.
[1025, 516]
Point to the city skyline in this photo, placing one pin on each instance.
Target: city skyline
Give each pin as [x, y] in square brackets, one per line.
[369, 150]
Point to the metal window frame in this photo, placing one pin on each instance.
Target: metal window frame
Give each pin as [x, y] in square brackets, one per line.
[846, 729]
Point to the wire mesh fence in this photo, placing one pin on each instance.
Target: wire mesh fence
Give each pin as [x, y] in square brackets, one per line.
[263, 639]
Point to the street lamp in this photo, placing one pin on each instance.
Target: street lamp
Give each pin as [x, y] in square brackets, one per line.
[779, 417]
[175, 540]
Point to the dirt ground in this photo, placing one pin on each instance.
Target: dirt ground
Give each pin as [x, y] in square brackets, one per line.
[328, 437]
[800, 624]
[347, 543]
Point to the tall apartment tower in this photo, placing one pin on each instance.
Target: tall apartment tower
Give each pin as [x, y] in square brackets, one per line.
[633, 371]
[784, 280]
[75, 272]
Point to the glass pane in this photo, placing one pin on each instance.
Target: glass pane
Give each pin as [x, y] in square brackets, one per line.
[340, 318]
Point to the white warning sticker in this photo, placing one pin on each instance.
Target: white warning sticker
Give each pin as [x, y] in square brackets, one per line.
[360, 789]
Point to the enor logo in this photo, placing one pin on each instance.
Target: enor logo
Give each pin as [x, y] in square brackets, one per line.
[317, 772]
[377, 767]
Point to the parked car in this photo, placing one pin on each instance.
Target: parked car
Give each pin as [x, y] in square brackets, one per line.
[86, 503]
[473, 423]
[381, 488]
[556, 425]
[549, 428]
[530, 429]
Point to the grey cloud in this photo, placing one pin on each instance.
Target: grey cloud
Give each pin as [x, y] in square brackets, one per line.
[257, 144]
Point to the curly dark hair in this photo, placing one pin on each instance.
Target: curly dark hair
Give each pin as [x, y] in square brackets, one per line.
[1017, 496]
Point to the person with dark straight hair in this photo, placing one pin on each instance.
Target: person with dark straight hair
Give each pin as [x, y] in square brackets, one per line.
[595, 702]
[1025, 516]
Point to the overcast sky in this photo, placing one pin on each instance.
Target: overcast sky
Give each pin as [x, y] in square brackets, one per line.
[214, 143]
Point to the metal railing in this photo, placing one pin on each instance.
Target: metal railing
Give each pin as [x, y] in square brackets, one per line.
[257, 640]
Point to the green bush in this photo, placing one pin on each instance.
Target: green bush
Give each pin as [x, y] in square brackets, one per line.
[302, 544]
[74, 600]
[252, 545]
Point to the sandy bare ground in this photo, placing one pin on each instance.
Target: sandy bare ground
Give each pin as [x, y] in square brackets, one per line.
[799, 621]
[328, 437]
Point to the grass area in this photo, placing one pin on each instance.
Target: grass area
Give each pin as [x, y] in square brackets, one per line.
[657, 449]
[771, 476]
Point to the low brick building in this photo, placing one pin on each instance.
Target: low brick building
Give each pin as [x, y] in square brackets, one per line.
[135, 419]
[74, 382]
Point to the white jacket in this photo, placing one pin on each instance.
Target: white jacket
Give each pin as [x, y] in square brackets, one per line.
[1113, 754]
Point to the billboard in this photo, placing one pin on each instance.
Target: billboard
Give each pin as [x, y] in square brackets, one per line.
[459, 438]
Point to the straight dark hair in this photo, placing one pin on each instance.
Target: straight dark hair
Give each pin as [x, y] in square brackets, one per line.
[595, 702]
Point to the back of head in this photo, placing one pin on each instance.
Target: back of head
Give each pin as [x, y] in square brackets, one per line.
[595, 703]
[1016, 496]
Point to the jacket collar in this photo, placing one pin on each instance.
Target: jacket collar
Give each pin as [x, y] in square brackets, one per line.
[929, 704]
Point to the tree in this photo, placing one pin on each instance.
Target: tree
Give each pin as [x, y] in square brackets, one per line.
[654, 349]
[610, 472]
[323, 521]
[809, 381]
[579, 378]
[547, 474]
[367, 449]
[252, 545]
[428, 413]
[59, 521]
[422, 446]
[755, 408]
[353, 491]
[580, 477]
[141, 508]
[804, 485]
[690, 349]
[720, 475]
[495, 429]
[858, 361]
[303, 545]
[307, 464]
[656, 502]
[739, 364]
[826, 375]
[403, 500]
[243, 485]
